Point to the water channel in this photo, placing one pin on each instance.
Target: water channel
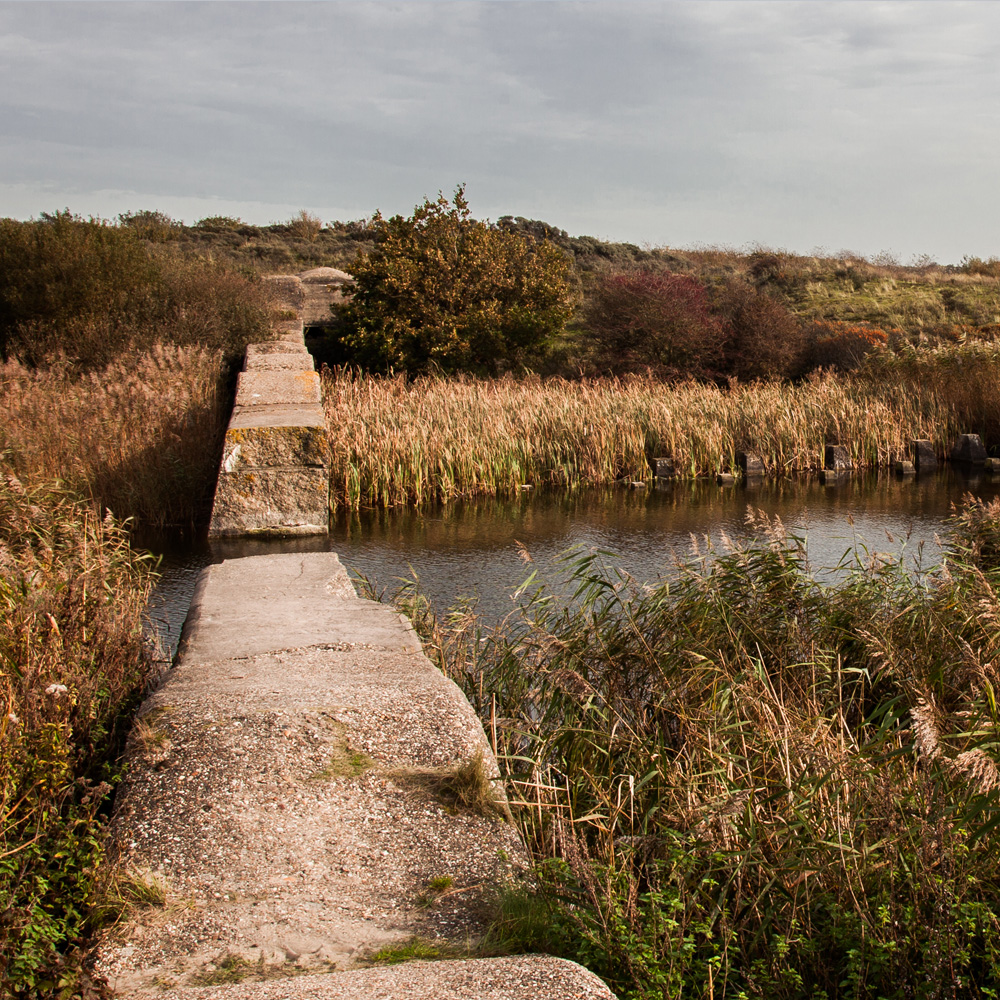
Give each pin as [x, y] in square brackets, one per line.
[476, 547]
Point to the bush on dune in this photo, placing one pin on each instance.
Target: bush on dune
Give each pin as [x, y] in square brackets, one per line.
[88, 291]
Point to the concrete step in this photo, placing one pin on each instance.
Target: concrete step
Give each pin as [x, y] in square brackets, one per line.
[288, 789]
[518, 977]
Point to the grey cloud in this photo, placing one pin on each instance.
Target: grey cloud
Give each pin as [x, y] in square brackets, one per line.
[789, 123]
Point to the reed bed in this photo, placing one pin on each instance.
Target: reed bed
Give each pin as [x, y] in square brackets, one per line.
[72, 666]
[740, 783]
[141, 436]
[396, 442]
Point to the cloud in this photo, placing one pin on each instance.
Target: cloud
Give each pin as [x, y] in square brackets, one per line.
[789, 123]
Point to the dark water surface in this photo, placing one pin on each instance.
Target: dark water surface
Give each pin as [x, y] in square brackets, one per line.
[475, 547]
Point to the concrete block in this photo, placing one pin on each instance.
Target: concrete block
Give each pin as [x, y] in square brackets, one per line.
[750, 464]
[277, 501]
[905, 468]
[992, 465]
[924, 457]
[291, 361]
[288, 290]
[969, 449]
[275, 440]
[725, 479]
[275, 347]
[663, 468]
[277, 388]
[288, 328]
[836, 458]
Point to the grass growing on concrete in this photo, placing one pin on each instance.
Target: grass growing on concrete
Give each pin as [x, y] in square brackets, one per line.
[413, 950]
[464, 787]
[742, 783]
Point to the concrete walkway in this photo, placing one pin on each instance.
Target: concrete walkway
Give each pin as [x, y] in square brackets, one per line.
[292, 787]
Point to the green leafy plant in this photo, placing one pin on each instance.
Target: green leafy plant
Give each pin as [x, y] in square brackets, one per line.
[443, 291]
[738, 782]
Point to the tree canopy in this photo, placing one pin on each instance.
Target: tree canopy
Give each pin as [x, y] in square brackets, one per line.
[441, 290]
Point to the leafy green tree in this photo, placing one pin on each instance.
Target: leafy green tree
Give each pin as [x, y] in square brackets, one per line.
[443, 291]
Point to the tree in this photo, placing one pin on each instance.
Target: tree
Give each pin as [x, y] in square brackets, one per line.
[639, 319]
[443, 291]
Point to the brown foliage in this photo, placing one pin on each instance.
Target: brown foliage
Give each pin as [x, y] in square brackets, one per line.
[644, 320]
[763, 339]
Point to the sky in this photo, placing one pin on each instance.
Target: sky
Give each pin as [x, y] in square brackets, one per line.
[814, 126]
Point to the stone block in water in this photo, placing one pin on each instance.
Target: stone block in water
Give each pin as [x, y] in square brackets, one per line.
[924, 457]
[271, 502]
[750, 464]
[837, 459]
[905, 468]
[663, 468]
[969, 449]
[992, 465]
[725, 479]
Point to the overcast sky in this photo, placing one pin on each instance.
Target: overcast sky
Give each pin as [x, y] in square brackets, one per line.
[837, 125]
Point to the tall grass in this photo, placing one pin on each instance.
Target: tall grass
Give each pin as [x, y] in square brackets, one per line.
[394, 441]
[141, 436]
[740, 783]
[72, 664]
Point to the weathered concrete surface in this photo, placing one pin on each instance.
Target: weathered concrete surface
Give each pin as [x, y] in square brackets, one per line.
[287, 361]
[278, 501]
[275, 437]
[322, 287]
[281, 787]
[518, 977]
[836, 458]
[278, 388]
[273, 478]
[924, 457]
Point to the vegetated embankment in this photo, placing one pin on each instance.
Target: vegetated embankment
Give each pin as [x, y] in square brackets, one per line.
[742, 783]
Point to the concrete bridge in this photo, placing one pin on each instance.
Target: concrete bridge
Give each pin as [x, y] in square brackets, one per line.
[306, 792]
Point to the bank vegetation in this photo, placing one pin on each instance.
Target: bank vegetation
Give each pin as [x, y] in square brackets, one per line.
[738, 782]
[397, 441]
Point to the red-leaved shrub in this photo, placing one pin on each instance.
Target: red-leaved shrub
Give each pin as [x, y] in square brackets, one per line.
[650, 320]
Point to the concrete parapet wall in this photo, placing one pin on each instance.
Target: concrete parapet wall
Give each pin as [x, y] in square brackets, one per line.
[274, 479]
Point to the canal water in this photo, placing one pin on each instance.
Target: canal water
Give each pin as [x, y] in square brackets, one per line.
[481, 547]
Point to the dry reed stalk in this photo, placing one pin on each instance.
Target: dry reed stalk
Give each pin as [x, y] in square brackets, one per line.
[394, 442]
[141, 436]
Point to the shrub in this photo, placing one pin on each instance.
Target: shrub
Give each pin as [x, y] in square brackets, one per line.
[763, 338]
[989, 268]
[842, 345]
[305, 226]
[89, 291]
[156, 227]
[656, 321]
[441, 290]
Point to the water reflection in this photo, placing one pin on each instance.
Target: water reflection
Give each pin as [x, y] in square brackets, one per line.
[474, 547]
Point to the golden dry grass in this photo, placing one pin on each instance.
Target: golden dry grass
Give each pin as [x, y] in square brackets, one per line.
[395, 442]
[141, 436]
